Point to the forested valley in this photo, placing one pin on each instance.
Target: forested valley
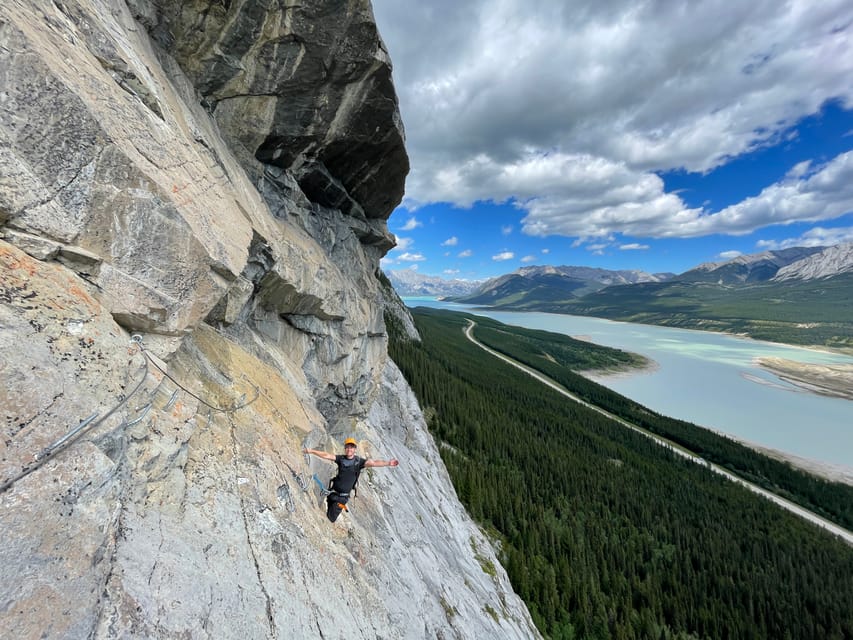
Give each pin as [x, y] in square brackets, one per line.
[561, 357]
[604, 533]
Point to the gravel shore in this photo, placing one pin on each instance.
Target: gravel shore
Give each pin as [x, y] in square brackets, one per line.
[825, 470]
[834, 380]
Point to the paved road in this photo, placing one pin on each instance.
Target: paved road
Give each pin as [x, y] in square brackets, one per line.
[843, 533]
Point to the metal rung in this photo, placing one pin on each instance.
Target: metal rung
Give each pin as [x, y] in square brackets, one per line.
[171, 400]
[140, 417]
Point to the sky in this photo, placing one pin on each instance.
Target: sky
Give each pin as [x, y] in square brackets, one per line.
[621, 134]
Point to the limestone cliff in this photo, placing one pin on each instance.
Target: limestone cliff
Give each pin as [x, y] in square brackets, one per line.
[193, 199]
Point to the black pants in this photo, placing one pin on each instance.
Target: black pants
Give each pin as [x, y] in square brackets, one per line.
[334, 505]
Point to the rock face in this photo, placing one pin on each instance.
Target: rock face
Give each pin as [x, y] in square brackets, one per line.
[831, 261]
[212, 178]
[758, 267]
[302, 86]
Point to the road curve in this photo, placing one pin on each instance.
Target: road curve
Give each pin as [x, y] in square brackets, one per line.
[833, 528]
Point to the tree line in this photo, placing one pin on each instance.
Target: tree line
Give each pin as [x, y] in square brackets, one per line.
[603, 533]
[560, 357]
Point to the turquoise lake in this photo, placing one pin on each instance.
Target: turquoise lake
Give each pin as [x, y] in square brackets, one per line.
[711, 379]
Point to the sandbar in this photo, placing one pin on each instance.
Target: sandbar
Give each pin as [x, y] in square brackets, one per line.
[833, 380]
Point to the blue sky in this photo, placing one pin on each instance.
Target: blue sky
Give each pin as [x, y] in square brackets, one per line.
[619, 134]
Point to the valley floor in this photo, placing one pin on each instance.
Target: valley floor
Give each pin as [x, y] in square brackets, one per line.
[786, 504]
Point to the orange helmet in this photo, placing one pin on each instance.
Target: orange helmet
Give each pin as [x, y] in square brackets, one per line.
[350, 441]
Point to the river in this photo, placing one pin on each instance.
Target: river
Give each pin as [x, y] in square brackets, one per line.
[711, 379]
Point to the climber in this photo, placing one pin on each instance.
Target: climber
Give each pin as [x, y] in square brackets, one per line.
[349, 468]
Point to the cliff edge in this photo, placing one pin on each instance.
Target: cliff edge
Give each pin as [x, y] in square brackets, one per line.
[193, 200]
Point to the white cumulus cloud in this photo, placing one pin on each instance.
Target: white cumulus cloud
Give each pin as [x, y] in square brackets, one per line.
[815, 237]
[412, 224]
[730, 255]
[403, 244]
[503, 255]
[569, 109]
[823, 193]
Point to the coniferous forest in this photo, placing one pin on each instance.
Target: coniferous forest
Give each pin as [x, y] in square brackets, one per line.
[604, 533]
[559, 357]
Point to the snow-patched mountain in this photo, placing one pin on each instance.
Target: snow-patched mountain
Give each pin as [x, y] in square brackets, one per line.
[605, 277]
[408, 282]
[831, 261]
[534, 285]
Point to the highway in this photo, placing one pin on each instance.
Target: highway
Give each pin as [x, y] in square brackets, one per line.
[833, 528]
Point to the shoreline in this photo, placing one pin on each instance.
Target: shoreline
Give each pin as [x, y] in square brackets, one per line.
[648, 365]
[827, 380]
[597, 375]
[843, 351]
[830, 471]
[783, 502]
[810, 382]
[832, 380]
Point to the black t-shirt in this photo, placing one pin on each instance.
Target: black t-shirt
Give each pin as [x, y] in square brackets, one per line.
[348, 470]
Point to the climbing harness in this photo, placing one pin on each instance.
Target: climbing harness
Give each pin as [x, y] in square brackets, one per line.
[328, 492]
[349, 471]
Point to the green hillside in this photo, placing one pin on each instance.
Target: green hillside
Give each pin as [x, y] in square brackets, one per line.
[517, 291]
[603, 533]
[543, 349]
[813, 312]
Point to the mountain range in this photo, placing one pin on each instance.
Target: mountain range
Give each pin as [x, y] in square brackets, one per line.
[797, 263]
[761, 267]
[553, 284]
[800, 295]
[408, 282]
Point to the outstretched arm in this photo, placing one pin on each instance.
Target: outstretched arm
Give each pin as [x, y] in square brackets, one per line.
[382, 463]
[320, 454]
